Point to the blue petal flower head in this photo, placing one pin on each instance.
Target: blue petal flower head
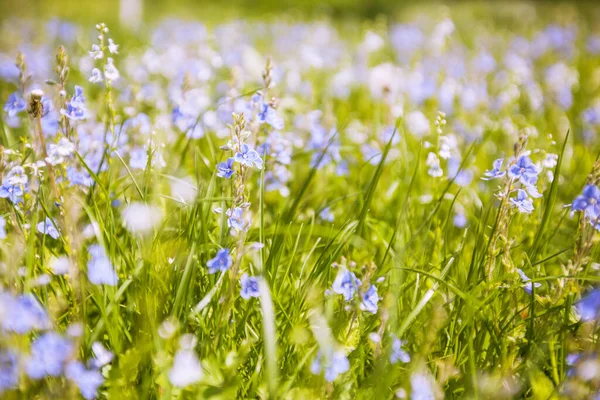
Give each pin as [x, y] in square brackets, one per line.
[12, 192]
[334, 364]
[326, 215]
[76, 107]
[99, 268]
[398, 353]
[522, 202]
[87, 380]
[47, 228]
[236, 218]
[9, 370]
[589, 306]
[79, 177]
[588, 202]
[15, 105]
[249, 287]
[524, 170]
[346, 284]
[16, 176]
[269, 115]
[370, 300]
[225, 168]
[495, 171]
[527, 285]
[78, 96]
[73, 112]
[22, 314]
[221, 262]
[48, 356]
[248, 157]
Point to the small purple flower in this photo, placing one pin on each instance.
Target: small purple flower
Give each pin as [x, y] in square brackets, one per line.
[248, 157]
[236, 218]
[527, 284]
[524, 170]
[398, 353]
[12, 192]
[522, 202]
[326, 215]
[249, 287]
[9, 370]
[346, 284]
[49, 353]
[335, 364]
[225, 169]
[47, 228]
[99, 268]
[221, 262]
[87, 380]
[588, 202]
[589, 306]
[370, 300]
[76, 107]
[495, 171]
[15, 105]
[22, 314]
[269, 115]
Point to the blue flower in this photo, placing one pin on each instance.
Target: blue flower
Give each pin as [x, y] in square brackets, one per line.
[589, 306]
[236, 218]
[346, 284]
[48, 355]
[76, 107]
[522, 202]
[269, 115]
[99, 268]
[73, 112]
[588, 202]
[249, 287]
[47, 228]
[13, 192]
[22, 314]
[248, 157]
[326, 214]
[334, 364]
[87, 380]
[370, 300]
[398, 353]
[9, 370]
[15, 105]
[225, 169]
[495, 171]
[527, 285]
[221, 262]
[524, 170]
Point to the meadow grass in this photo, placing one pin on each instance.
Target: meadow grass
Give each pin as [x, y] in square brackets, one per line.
[476, 295]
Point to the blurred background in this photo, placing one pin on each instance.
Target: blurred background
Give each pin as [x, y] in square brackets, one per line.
[137, 11]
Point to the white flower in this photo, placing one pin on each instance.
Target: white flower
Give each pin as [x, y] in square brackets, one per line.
[60, 265]
[110, 71]
[96, 76]
[96, 52]
[141, 218]
[112, 47]
[417, 123]
[186, 369]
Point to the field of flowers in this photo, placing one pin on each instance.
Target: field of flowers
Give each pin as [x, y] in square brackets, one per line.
[396, 208]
